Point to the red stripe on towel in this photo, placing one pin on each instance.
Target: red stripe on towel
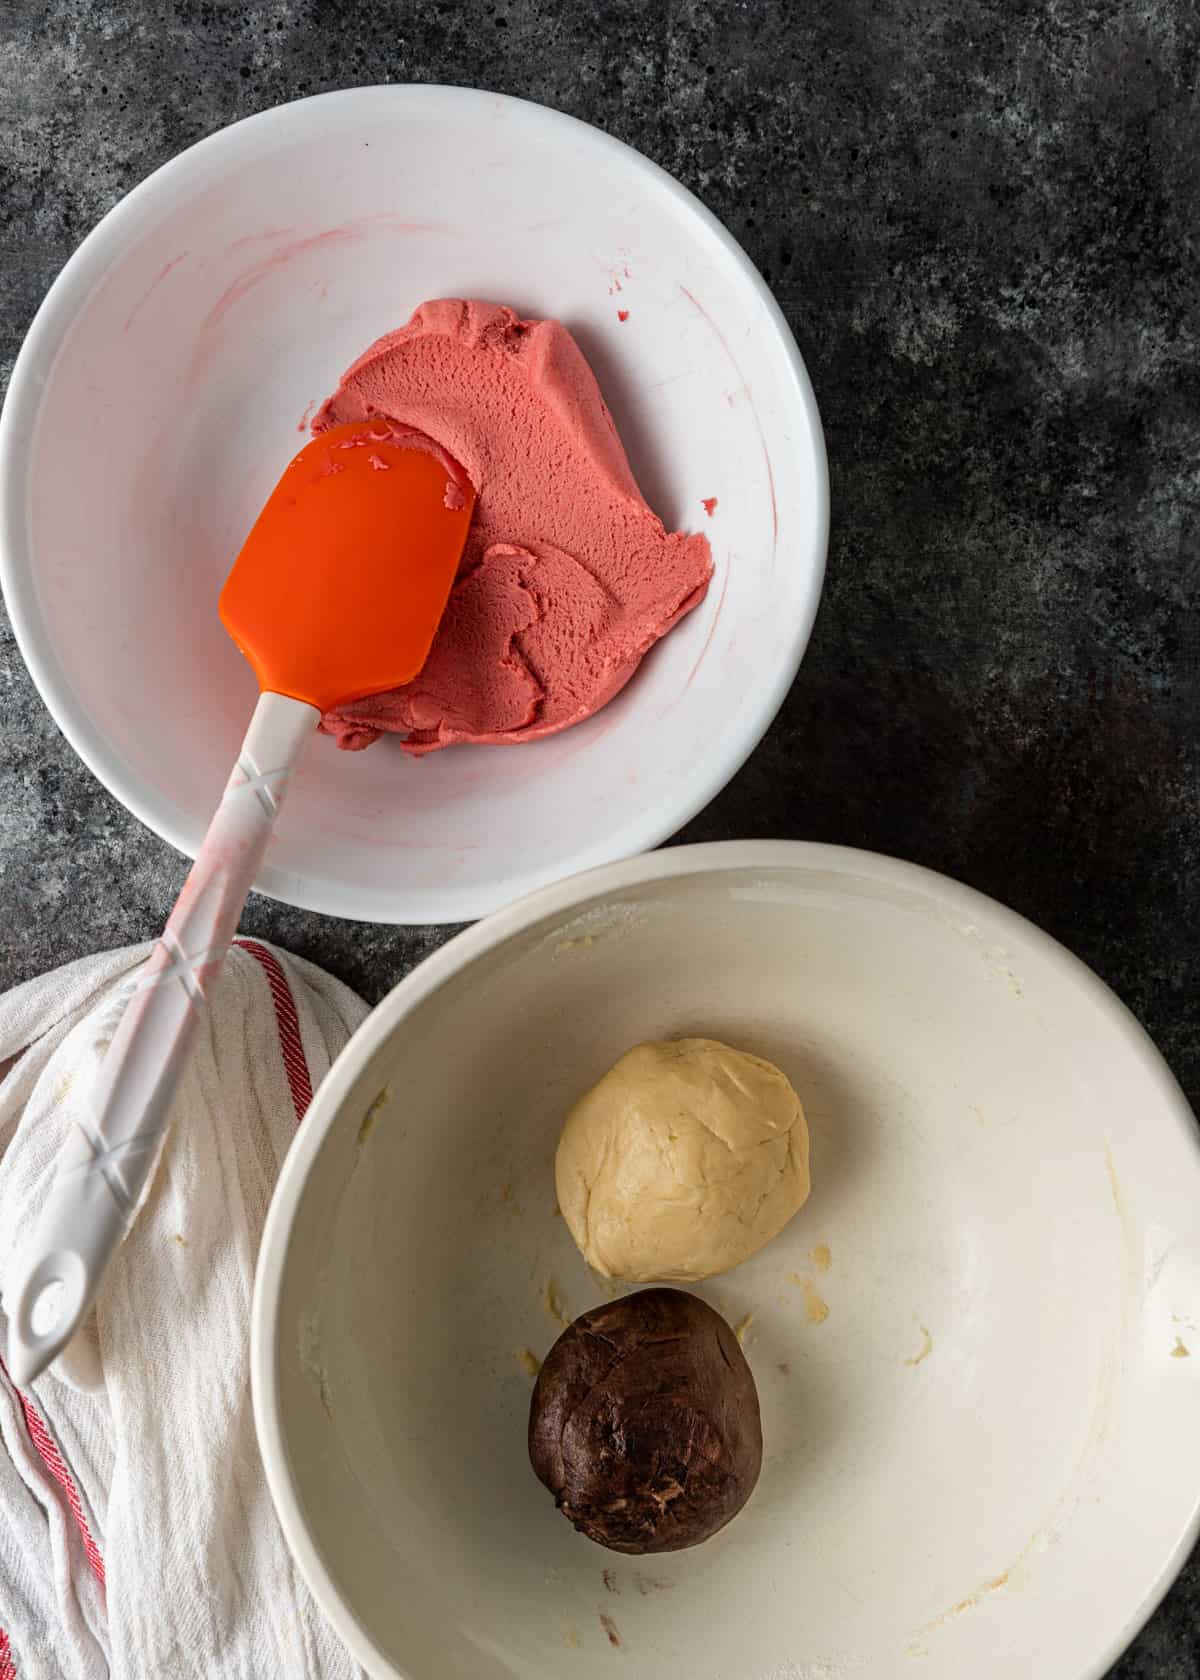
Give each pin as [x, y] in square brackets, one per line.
[286, 1019]
[53, 1460]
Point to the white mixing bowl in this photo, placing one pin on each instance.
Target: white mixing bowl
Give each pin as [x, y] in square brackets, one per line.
[161, 391]
[983, 1461]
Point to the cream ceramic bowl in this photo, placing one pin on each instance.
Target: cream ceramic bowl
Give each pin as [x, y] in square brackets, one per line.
[163, 387]
[977, 1347]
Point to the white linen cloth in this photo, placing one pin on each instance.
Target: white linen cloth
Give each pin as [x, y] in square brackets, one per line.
[137, 1537]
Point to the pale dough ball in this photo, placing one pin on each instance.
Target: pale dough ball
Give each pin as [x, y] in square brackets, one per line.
[683, 1161]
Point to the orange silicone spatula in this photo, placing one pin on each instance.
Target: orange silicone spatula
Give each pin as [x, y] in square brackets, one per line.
[336, 594]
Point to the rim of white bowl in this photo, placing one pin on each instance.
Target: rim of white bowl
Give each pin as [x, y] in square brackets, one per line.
[726, 856]
[41, 345]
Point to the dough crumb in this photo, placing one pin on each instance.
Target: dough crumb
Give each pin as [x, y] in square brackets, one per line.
[822, 1259]
[553, 1302]
[529, 1360]
[370, 1117]
[816, 1311]
[1180, 1350]
[742, 1329]
[610, 1628]
[584, 942]
[924, 1350]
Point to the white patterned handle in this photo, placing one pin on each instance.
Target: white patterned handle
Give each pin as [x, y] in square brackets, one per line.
[109, 1155]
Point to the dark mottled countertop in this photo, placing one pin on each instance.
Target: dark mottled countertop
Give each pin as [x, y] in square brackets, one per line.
[983, 222]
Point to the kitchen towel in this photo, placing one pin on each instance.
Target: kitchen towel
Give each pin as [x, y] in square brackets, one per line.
[137, 1537]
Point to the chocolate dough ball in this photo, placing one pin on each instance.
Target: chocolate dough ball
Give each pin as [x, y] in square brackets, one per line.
[644, 1423]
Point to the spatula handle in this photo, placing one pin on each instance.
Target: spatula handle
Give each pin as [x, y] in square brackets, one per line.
[118, 1132]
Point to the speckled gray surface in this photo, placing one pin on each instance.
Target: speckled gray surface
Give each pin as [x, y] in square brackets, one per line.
[982, 222]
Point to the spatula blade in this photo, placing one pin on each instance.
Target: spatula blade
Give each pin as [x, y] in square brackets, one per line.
[340, 586]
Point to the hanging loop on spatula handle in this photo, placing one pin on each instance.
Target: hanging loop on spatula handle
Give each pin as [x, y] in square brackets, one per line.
[116, 1139]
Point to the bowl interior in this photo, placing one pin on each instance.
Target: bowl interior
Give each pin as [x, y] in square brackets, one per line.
[166, 385]
[979, 1421]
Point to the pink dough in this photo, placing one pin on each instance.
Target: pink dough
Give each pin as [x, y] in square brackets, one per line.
[567, 577]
